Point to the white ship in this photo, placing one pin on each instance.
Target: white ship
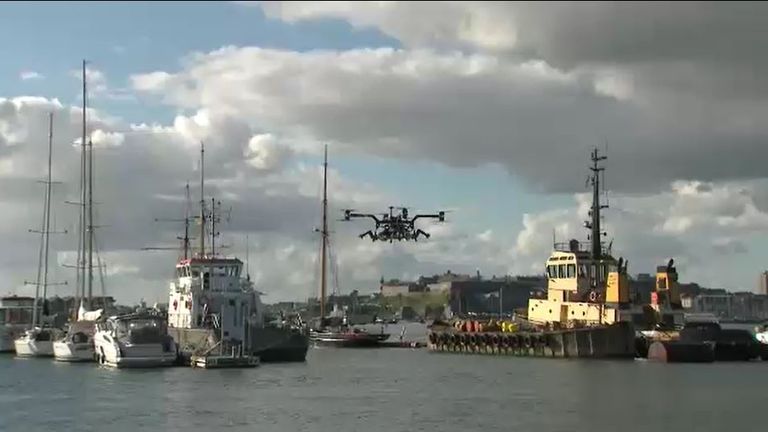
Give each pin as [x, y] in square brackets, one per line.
[134, 341]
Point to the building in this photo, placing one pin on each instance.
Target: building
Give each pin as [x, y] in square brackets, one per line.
[740, 306]
[395, 288]
[762, 285]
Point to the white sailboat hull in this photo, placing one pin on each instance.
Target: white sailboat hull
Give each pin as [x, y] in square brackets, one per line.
[72, 352]
[26, 347]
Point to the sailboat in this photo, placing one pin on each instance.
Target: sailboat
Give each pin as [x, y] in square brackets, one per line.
[77, 343]
[334, 329]
[37, 340]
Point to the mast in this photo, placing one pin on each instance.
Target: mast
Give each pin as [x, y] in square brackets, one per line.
[247, 259]
[213, 226]
[594, 223]
[81, 283]
[47, 226]
[90, 224]
[201, 252]
[324, 234]
[186, 224]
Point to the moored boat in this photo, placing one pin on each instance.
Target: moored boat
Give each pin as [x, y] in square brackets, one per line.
[334, 329]
[134, 341]
[36, 342]
[77, 344]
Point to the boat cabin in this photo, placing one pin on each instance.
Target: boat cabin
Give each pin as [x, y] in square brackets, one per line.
[211, 293]
[578, 288]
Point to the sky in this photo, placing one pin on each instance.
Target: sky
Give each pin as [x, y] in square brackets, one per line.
[486, 109]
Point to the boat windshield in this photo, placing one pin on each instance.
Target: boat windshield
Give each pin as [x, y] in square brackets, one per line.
[126, 326]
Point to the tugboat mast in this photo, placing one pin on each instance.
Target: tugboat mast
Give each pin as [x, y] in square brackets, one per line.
[594, 223]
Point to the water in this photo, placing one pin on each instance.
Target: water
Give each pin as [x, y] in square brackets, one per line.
[387, 390]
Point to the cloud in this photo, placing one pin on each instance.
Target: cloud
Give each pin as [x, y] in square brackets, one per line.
[98, 86]
[471, 109]
[31, 75]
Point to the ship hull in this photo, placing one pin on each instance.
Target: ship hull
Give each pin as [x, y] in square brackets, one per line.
[269, 344]
[615, 341]
[347, 339]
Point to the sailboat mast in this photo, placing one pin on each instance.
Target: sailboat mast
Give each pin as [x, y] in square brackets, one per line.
[202, 200]
[90, 224]
[83, 190]
[324, 234]
[47, 227]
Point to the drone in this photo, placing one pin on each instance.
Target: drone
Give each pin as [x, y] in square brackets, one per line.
[394, 226]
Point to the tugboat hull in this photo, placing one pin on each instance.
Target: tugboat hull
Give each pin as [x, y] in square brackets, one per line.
[614, 341]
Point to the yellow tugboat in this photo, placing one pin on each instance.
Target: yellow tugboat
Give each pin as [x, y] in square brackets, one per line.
[588, 310]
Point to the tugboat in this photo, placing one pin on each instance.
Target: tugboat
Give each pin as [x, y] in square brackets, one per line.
[587, 311]
[214, 312]
[335, 329]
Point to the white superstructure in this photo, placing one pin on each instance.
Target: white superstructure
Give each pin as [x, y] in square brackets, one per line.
[212, 293]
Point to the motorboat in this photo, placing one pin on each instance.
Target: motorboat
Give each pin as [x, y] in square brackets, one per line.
[134, 340]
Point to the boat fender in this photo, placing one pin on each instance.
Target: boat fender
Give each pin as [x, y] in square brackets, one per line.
[432, 338]
[495, 340]
[504, 340]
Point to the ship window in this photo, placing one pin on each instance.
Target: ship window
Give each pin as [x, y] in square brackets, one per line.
[561, 271]
[551, 272]
[195, 273]
[571, 271]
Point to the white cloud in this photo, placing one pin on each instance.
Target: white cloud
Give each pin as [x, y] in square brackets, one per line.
[31, 75]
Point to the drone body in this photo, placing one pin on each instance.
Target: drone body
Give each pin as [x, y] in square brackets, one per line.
[394, 226]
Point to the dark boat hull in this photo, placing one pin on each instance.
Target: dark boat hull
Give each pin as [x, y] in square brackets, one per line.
[347, 339]
[277, 345]
[270, 344]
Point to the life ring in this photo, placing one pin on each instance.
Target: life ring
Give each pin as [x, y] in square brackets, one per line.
[593, 296]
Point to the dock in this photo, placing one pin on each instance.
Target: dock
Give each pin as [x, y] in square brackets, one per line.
[223, 361]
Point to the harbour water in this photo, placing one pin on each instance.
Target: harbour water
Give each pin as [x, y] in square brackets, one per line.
[387, 390]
